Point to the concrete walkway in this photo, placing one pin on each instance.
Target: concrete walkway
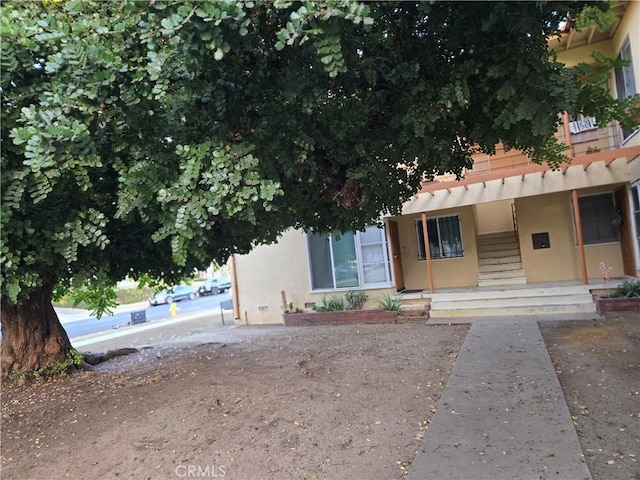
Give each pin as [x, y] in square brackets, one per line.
[503, 414]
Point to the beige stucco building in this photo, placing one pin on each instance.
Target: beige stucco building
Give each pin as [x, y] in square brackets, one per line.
[509, 221]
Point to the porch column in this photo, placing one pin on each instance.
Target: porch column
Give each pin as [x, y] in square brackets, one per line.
[234, 288]
[576, 215]
[427, 250]
[567, 133]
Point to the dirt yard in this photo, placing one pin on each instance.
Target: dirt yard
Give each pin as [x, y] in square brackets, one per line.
[333, 402]
[268, 403]
[598, 365]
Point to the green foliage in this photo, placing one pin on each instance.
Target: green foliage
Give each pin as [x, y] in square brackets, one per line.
[124, 296]
[333, 304]
[628, 289]
[355, 299]
[57, 369]
[146, 139]
[389, 303]
[292, 309]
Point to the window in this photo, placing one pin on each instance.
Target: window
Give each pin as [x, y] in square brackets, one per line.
[625, 81]
[635, 193]
[596, 214]
[445, 240]
[348, 260]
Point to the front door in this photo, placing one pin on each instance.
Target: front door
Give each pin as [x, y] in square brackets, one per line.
[396, 257]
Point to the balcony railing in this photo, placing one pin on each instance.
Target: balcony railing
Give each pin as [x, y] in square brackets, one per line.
[585, 137]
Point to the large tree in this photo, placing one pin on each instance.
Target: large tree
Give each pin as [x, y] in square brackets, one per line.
[146, 139]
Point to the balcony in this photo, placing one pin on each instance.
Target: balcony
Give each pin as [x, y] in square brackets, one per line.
[585, 137]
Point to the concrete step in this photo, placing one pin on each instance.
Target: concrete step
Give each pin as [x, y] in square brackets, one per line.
[495, 240]
[515, 252]
[513, 311]
[505, 233]
[513, 301]
[511, 273]
[497, 248]
[500, 267]
[499, 293]
[502, 282]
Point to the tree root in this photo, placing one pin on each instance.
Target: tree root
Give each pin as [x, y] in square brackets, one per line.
[91, 358]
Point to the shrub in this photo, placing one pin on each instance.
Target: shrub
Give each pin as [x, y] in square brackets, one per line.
[334, 304]
[389, 303]
[355, 299]
[628, 289]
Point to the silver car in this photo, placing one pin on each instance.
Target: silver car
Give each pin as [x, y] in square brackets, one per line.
[213, 286]
[173, 294]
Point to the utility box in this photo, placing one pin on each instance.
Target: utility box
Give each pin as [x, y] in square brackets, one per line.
[138, 317]
[226, 305]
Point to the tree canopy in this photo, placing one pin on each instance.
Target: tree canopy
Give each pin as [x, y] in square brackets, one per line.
[148, 138]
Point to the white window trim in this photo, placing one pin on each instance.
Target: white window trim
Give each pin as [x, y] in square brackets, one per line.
[626, 44]
[634, 227]
[358, 247]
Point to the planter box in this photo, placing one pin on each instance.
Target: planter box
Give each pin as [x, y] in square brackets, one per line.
[339, 318]
[616, 304]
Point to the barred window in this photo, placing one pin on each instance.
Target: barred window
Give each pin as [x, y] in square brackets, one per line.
[596, 215]
[445, 240]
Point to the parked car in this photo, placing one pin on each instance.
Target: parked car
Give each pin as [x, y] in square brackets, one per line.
[174, 294]
[213, 286]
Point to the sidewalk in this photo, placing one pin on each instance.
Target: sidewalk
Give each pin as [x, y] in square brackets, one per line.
[503, 414]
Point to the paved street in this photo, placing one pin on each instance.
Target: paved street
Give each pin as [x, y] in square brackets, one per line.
[79, 323]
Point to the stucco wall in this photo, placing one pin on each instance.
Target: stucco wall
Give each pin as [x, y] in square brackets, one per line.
[265, 272]
[553, 214]
[270, 269]
[629, 28]
[494, 217]
[448, 272]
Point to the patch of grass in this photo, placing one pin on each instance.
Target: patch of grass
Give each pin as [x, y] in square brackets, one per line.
[55, 369]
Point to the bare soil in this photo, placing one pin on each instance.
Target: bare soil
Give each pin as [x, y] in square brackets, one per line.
[261, 403]
[331, 402]
[598, 364]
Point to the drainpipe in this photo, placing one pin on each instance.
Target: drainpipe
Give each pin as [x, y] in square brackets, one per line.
[576, 214]
[234, 289]
[427, 250]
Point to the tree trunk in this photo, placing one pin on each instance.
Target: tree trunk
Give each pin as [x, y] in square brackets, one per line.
[32, 336]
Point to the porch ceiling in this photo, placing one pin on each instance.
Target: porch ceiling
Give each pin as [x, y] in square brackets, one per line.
[587, 171]
[574, 38]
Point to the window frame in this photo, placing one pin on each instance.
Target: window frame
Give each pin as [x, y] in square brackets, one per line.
[634, 204]
[625, 81]
[420, 238]
[358, 244]
[582, 221]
